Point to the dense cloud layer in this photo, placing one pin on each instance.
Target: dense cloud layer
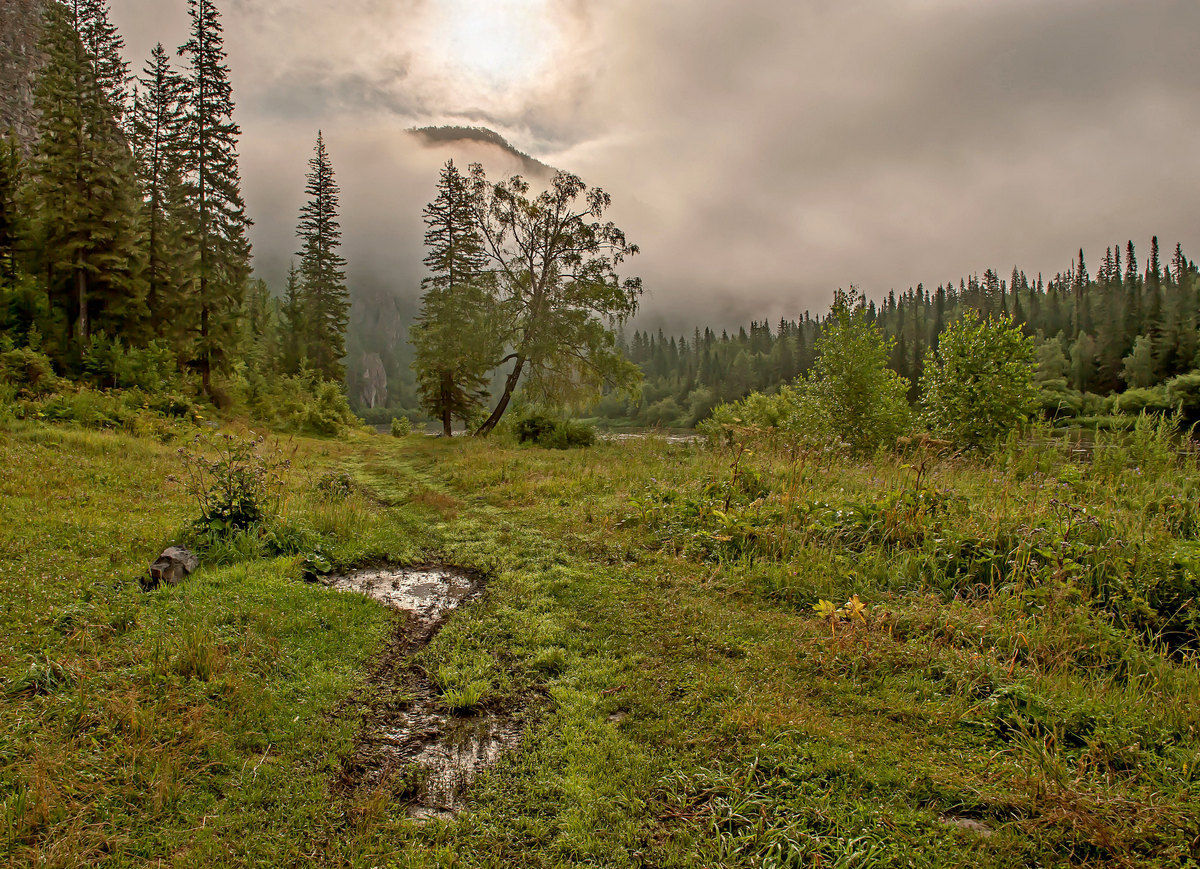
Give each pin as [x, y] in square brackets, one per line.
[762, 153]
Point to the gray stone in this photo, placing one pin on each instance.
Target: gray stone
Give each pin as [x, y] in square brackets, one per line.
[172, 566]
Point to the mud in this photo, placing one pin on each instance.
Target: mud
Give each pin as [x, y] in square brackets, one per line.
[410, 745]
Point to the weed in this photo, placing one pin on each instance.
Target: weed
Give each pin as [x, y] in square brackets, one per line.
[238, 488]
[43, 676]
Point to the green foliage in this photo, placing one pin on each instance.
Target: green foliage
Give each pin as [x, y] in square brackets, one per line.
[113, 365]
[978, 386]
[299, 404]
[325, 299]
[862, 401]
[30, 372]
[1137, 369]
[850, 398]
[1183, 394]
[82, 194]
[457, 334]
[214, 212]
[1133, 402]
[236, 483]
[1057, 399]
[1051, 362]
[553, 433]
[559, 294]
[401, 427]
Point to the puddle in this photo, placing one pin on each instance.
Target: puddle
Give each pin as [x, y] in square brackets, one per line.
[409, 744]
[427, 592]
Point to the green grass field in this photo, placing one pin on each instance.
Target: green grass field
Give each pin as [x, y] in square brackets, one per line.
[1018, 688]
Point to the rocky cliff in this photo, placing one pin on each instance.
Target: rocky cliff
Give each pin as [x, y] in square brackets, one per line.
[20, 26]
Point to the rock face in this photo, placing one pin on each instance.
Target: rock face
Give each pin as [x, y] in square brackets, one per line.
[172, 566]
[20, 60]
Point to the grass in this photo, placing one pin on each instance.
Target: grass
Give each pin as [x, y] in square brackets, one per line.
[691, 706]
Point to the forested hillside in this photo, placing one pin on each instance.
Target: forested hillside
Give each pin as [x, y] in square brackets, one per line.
[1133, 325]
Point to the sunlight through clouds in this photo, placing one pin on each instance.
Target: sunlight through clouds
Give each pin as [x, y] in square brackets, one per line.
[494, 46]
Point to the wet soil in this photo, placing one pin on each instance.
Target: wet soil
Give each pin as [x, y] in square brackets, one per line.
[410, 746]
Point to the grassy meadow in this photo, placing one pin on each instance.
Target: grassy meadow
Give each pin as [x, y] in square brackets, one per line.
[745, 656]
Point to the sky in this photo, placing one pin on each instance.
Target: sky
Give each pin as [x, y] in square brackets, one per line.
[762, 153]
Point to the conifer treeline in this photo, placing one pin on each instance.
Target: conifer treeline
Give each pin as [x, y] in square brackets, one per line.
[1128, 326]
[125, 223]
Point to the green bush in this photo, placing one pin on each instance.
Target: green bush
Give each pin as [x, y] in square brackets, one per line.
[851, 399]
[401, 427]
[296, 403]
[978, 386]
[1183, 394]
[238, 488]
[30, 372]
[1057, 400]
[546, 431]
[1131, 402]
[851, 389]
[112, 365]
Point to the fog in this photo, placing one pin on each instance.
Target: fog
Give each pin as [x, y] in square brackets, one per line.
[762, 153]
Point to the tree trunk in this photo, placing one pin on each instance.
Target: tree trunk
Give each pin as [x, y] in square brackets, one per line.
[205, 356]
[509, 385]
[447, 391]
[81, 328]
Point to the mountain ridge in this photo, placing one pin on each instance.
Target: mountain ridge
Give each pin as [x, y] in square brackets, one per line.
[452, 134]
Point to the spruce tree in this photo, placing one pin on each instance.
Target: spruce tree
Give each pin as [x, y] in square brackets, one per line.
[295, 324]
[216, 218]
[110, 73]
[156, 131]
[322, 269]
[455, 333]
[83, 193]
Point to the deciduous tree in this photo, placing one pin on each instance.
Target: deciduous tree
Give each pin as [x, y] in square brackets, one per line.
[555, 261]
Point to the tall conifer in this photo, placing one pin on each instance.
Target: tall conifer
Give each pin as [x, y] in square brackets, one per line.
[82, 190]
[322, 269]
[454, 335]
[156, 132]
[216, 218]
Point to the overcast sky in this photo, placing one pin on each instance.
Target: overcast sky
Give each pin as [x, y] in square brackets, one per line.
[762, 152]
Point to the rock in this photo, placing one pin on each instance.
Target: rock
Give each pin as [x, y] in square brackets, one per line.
[172, 566]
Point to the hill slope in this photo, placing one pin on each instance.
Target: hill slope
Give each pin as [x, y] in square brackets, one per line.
[451, 135]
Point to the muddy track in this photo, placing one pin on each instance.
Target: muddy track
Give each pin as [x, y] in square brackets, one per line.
[409, 745]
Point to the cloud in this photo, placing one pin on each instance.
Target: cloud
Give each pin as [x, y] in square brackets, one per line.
[762, 153]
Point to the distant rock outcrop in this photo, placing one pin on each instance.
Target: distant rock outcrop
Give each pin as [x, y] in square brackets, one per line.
[20, 60]
[434, 136]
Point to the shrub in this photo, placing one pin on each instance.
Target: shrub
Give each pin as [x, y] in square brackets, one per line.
[114, 366]
[295, 403]
[862, 401]
[334, 486]
[239, 488]
[978, 386]
[850, 398]
[401, 427]
[30, 372]
[1134, 401]
[568, 434]
[1056, 399]
[1183, 394]
[546, 431]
